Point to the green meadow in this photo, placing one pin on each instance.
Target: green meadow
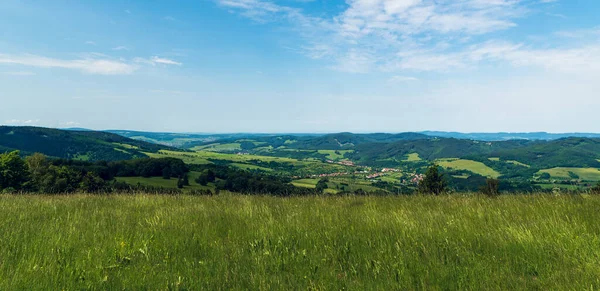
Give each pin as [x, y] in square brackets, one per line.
[413, 157]
[473, 166]
[589, 174]
[231, 242]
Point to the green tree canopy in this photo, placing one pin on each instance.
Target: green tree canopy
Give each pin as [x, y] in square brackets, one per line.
[434, 182]
[13, 171]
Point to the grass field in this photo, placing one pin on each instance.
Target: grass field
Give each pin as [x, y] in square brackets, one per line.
[473, 166]
[231, 242]
[590, 174]
[240, 161]
[414, 157]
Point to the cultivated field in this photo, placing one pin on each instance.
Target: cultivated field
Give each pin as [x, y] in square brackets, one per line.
[356, 243]
[473, 166]
[589, 174]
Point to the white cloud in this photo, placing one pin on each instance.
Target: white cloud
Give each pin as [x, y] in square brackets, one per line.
[157, 60]
[120, 48]
[164, 61]
[422, 35]
[86, 65]
[22, 122]
[90, 63]
[69, 124]
[89, 42]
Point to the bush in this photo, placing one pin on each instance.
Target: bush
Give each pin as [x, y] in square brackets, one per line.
[491, 187]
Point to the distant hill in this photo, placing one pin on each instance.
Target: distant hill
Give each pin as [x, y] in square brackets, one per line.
[182, 140]
[337, 141]
[499, 136]
[72, 144]
[565, 152]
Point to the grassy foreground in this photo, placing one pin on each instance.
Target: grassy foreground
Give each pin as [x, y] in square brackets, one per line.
[240, 242]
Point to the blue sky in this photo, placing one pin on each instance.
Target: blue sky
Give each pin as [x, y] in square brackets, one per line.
[302, 65]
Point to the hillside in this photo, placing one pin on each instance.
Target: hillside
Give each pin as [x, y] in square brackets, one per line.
[80, 145]
[500, 136]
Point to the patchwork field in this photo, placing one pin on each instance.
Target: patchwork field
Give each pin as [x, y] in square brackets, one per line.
[590, 174]
[231, 242]
[472, 166]
[245, 161]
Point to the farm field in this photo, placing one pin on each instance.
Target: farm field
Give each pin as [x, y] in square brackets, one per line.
[226, 242]
[589, 174]
[473, 166]
[242, 161]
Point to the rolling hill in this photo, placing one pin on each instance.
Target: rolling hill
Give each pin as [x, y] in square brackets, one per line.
[69, 144]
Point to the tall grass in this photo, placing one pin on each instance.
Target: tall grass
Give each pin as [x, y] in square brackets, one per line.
[243, 242]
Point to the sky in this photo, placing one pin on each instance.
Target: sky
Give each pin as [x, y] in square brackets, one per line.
[285, 66]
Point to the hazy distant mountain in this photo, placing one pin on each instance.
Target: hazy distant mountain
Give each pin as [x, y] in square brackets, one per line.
[499, 136]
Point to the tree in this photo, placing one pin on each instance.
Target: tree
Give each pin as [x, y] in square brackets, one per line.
[91, 182]
[434, 182]
[210, 176]
[180, 183]
[202, 179]
[186, 180]
[166, 173]
[491, 187]
[322, 185]
[13, 171]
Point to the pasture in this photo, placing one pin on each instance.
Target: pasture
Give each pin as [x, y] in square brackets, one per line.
[413, 157]
[588, 174]
[472, 166]
[231, 242]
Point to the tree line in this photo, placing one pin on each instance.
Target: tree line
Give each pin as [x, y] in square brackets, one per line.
[39, 173]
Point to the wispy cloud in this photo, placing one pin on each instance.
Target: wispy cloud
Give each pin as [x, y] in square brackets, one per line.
[22, 122]
[157, 60]
[89, 42]
[89, 63]
[120, 48]
[70, 124]
[417, 35]
[86, 65]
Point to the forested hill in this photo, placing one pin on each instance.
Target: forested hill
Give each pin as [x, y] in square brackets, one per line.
[566, 152]
[81, 145]
[500, 136]
[335, 141]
